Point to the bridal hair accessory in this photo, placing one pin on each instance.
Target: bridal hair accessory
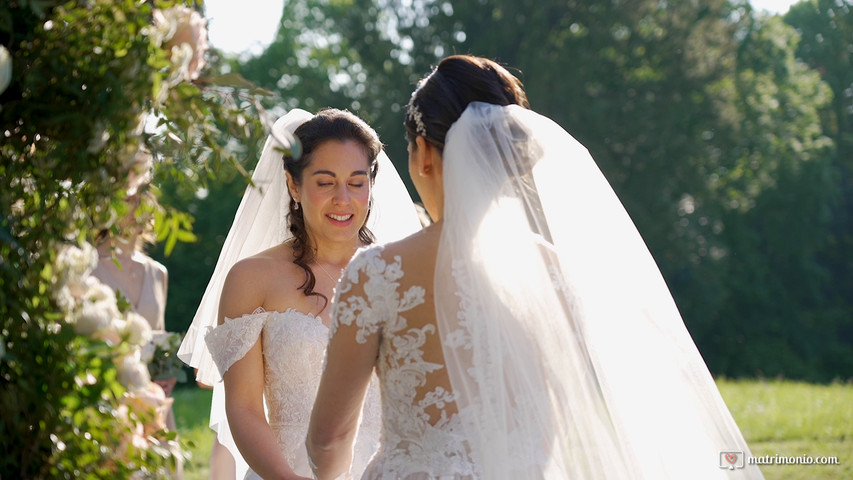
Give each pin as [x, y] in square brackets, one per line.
[416, 115]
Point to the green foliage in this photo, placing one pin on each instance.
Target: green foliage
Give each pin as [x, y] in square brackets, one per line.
[191, 265]
[712, 131]
[86, 77]
[347, 54]
[707, 127]
[165, 364]
[776, 192]
[826, 30]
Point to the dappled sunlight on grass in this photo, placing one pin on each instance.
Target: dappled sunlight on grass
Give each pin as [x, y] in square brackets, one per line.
[794, 419]
[784, 410]
[777, 418]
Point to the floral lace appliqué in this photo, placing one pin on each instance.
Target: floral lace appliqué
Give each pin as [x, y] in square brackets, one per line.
[414, 443]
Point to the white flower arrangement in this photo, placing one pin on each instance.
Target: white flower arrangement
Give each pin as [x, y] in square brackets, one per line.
[75, 263]
[162, 357]
[92, 309]
[95, 314]
[146, 362]
[137, 331]
[94, 331]
[132, 372]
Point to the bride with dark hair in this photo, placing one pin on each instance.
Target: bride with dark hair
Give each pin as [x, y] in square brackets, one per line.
[527, 333]
[269, 298]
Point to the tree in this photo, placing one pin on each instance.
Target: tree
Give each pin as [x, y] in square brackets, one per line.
[698, 113]
[705, 125]
[355, 54]
[826, 30]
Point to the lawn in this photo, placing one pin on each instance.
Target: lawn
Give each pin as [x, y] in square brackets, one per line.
[794, 419]
[778, 418]
[192, 411]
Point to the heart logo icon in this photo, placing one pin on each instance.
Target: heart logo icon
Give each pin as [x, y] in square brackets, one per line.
[731, 458]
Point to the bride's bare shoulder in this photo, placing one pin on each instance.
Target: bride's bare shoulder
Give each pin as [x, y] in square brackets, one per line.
[259, 280]
[273, 263]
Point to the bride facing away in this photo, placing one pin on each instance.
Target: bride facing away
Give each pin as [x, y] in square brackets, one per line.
[527, 333]
[295, 230]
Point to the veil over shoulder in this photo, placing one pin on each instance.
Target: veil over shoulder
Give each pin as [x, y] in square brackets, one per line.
[261, 223]
[566, 352]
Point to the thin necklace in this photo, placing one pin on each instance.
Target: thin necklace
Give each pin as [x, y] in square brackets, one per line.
[326, 272]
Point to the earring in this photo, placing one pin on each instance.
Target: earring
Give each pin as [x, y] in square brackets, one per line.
[297, 206]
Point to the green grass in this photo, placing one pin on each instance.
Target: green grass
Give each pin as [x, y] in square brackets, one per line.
[192, 411]
[793, 419]
[777, 418]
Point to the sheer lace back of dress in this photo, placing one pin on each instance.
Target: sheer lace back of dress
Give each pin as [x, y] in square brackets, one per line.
[421, 434]
[415, 345]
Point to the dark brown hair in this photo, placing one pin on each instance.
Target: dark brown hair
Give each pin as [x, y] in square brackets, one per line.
[445, 93]
[328, 124]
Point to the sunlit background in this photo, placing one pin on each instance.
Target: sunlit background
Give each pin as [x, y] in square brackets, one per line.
[250, 25]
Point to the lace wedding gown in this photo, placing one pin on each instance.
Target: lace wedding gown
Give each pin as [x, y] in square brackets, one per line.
[425, 430]
[294, 345]
[421, 435]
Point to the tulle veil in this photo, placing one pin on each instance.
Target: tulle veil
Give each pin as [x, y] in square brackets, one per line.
[564, 346]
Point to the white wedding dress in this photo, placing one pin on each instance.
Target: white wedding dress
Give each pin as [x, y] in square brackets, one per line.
[294, 346]
[414, 445]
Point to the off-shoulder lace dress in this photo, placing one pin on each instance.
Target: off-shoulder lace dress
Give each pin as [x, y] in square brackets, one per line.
[414, 445]
[294, 346]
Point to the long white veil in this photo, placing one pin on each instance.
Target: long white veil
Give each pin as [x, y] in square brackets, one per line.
[261, 223]
[564, 346]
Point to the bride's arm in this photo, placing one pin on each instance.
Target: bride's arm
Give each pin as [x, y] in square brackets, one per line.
[350, 359]
[244, 381]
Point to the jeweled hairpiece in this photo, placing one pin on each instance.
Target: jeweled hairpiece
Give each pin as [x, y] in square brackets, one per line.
[416, 115]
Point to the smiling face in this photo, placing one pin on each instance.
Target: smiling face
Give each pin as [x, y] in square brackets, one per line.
[334, 192]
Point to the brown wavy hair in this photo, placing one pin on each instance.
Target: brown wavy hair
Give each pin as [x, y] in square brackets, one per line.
[328, 124]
